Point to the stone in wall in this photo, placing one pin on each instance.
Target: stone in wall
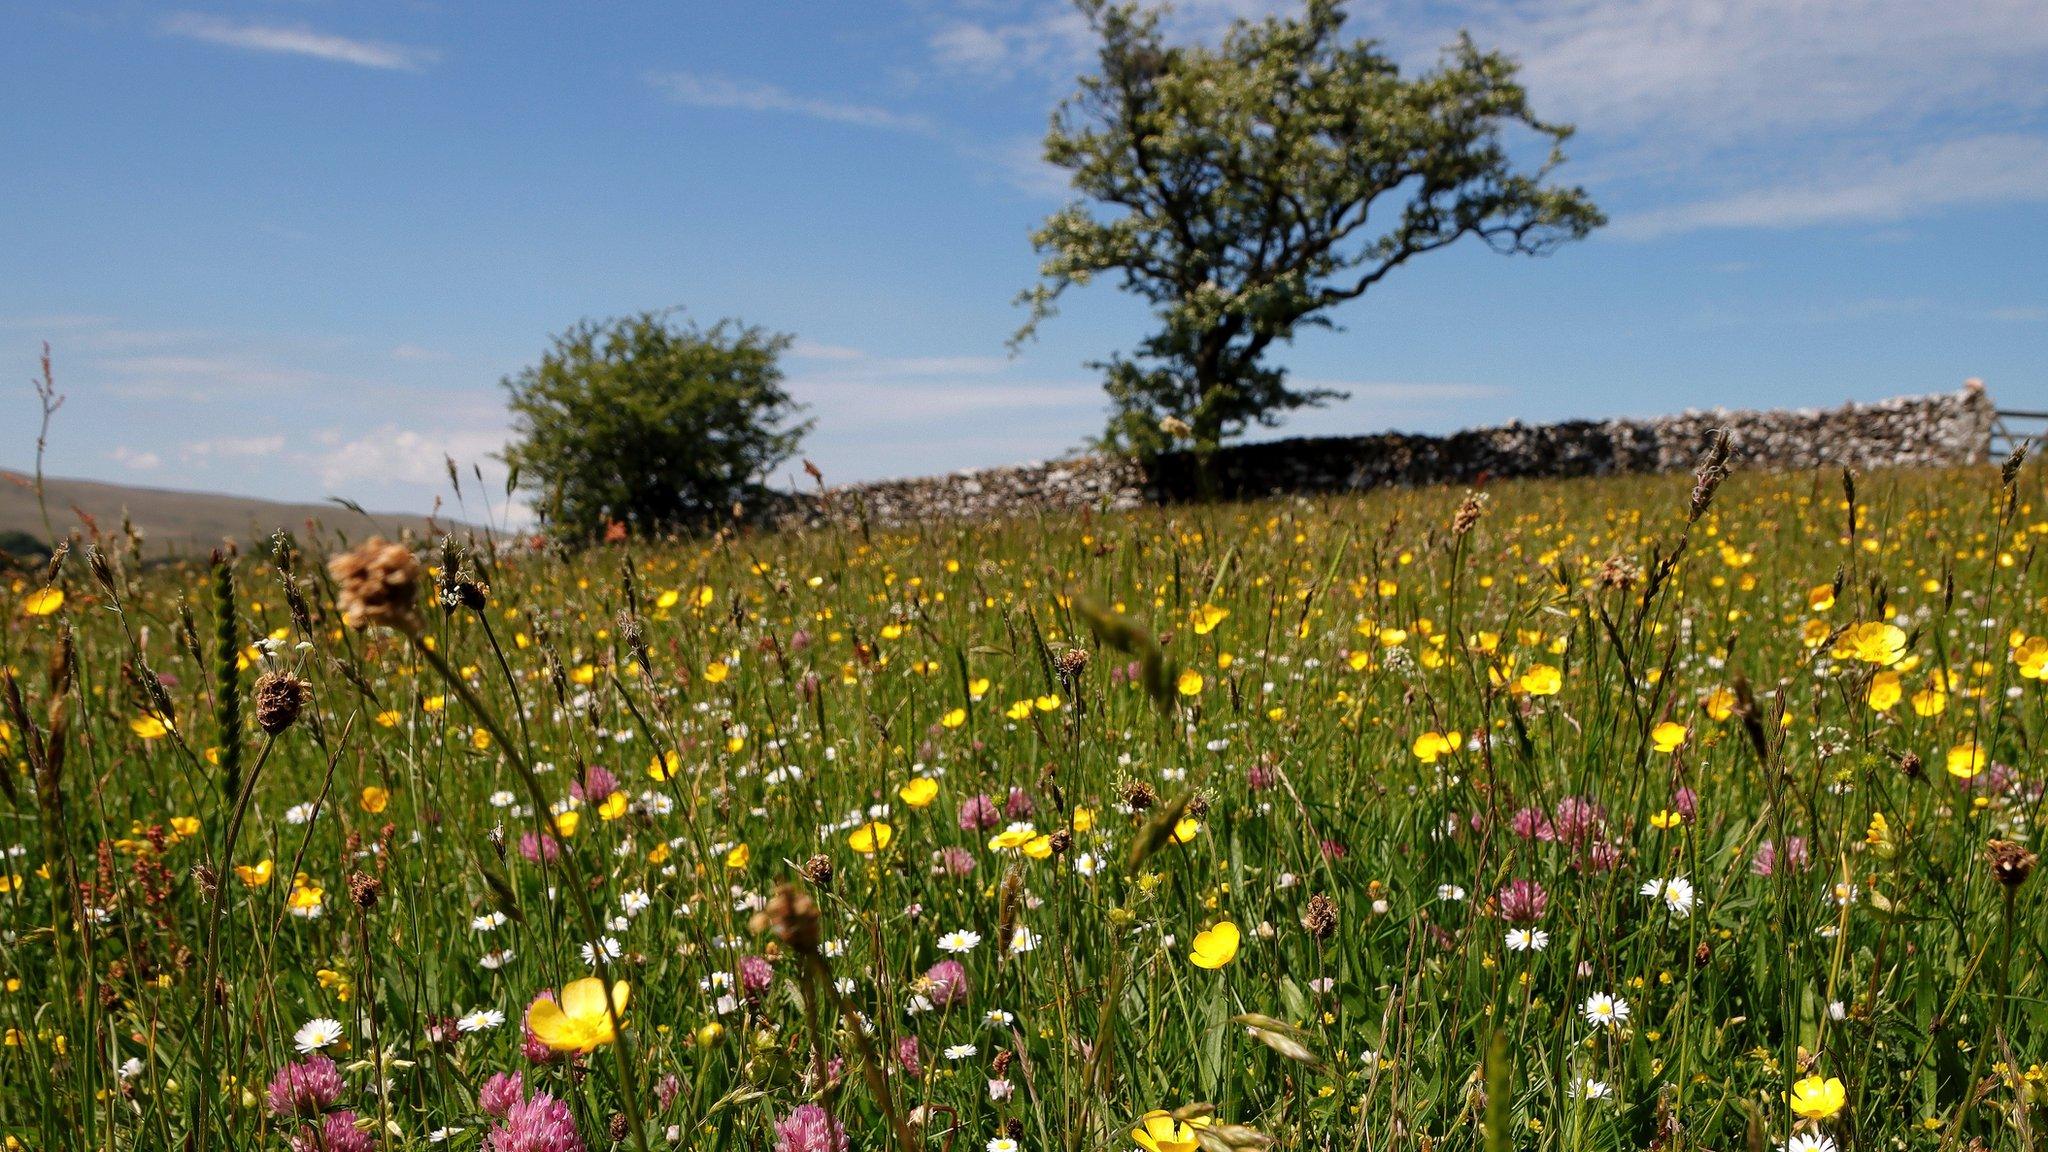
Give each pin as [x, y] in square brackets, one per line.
[1943, 429]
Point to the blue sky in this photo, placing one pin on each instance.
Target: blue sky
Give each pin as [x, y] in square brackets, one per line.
[289, 248]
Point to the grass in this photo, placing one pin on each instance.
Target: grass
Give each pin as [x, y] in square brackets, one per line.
[1388, 753]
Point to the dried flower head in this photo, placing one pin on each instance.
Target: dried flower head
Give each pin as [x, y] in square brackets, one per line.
[793, 916]
[279, 697]
[1321, 917]
[378, 584]
[1469, 511]
[2010, 862]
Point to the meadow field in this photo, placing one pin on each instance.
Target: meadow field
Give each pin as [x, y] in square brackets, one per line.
[1588, 815]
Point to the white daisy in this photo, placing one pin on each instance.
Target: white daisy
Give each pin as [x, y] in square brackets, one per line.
[611, 947]
[961, 1052]
[1587, 1088]
[959, 941]
[1605, 1011]
[480, 1020]
[1527, 940]
[317, 1033]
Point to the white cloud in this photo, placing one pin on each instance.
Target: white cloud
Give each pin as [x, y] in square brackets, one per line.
[135, 460]
[241, 447]
[395, 455]
[1982, 170]
[199, 378]
[299, 40]
[718, 92]
[1669, 94]
[415, 354]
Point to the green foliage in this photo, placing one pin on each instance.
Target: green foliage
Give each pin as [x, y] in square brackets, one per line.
[651, 424]
[1232, 189]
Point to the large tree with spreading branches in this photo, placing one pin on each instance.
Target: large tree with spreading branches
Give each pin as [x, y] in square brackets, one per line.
[1246, 190]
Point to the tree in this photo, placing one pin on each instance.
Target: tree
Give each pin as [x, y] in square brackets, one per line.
[655, 425]
[1244, 186]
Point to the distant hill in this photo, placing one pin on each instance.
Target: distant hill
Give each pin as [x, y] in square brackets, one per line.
[186, 523]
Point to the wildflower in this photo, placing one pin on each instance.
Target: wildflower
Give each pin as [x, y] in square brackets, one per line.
[1966, 760]
[978, 814]
[609, 946]
[480, 1020]
[946, 983]
[1190, 683]
[1158, 1131]
[305, 1089]
[1522, 901]
[1676, 893]
[1541, 680]
[1603, 1010]
[317, 1033]
[1527, 940]
[1874, 643]
[336, 1132]
[500, 1093]
[1667, 736]
[1002, 1144]
[1433, 746]
[959, 941]
[871, 837]
[1879, 836]
[1215, 946]
[920, 792]
[255, 875]
[581, 1021]
[1587, 1088]
[1816, 1099]
[1809, 1142]
[809, 1128]
[538, 1124]
[42, 602]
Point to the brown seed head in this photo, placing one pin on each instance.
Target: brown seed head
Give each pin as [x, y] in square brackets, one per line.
[378, 584]
[818, 870]
[793, 916]
[1321, 917]
[365, 890]
[279, 697]
[2010, 862]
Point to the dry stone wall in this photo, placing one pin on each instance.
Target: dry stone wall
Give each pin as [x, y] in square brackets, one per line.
[1943, 429]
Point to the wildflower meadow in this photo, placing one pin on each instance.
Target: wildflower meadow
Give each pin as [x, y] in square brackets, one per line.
[1603, 814]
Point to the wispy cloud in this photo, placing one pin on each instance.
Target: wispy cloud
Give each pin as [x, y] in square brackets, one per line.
[1667, 93]
[719, 92]
[299, 40]
[1991, 169]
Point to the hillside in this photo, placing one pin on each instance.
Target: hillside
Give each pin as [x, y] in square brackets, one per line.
[185, 522]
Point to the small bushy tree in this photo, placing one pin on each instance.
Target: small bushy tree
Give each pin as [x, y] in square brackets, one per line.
[1246, 190]
[651, 423]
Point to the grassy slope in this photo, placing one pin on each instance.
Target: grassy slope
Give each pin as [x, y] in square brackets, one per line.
[182, 522]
